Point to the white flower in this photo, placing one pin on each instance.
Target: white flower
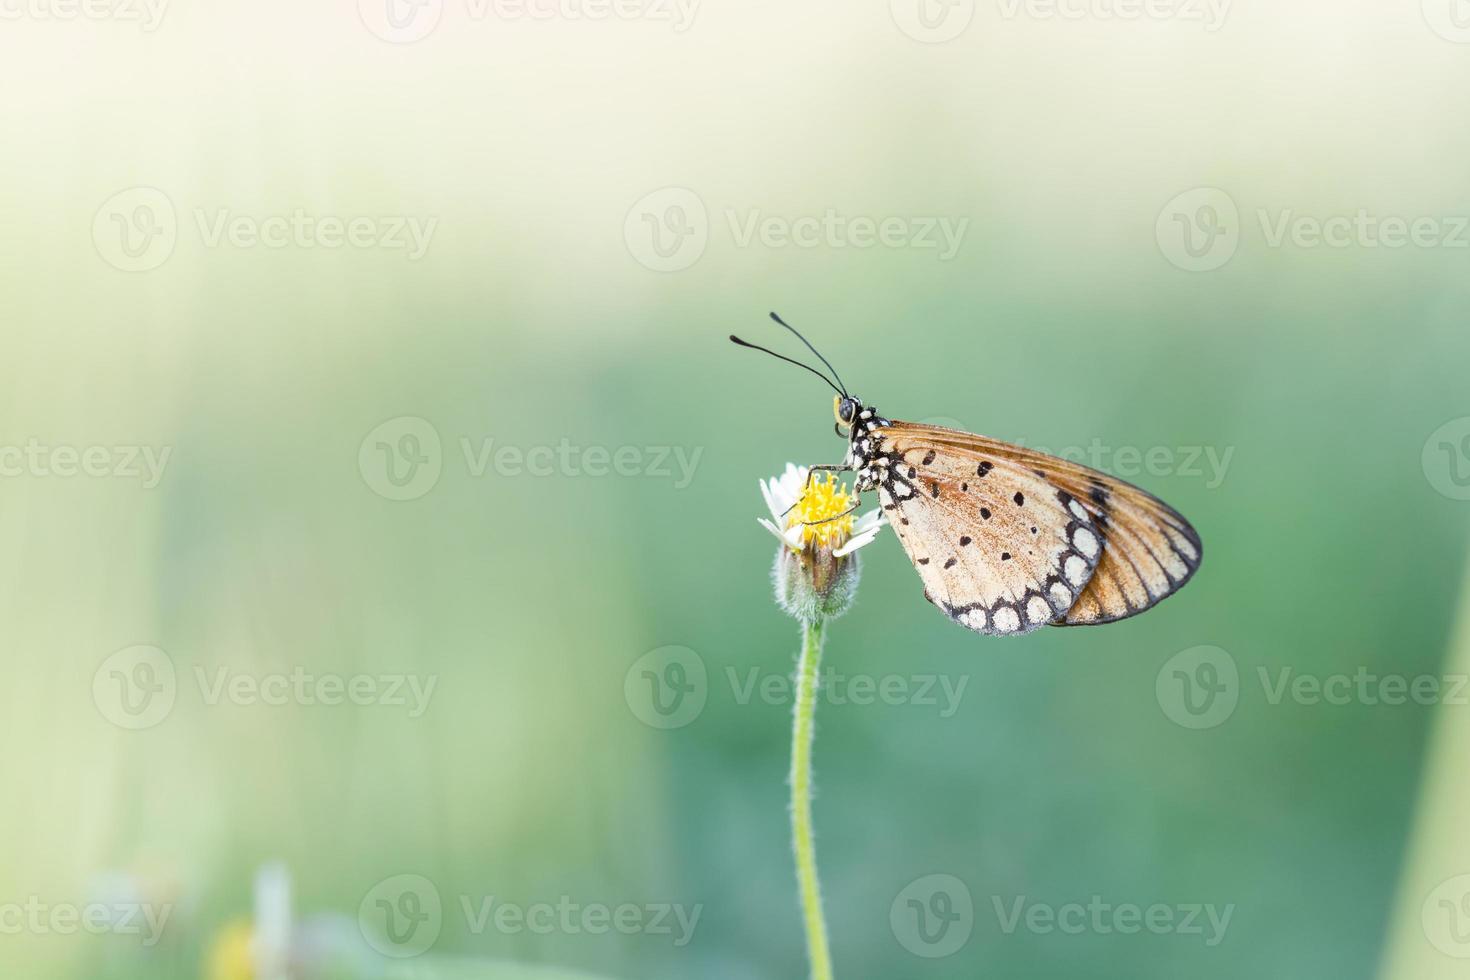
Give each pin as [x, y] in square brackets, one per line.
[817, 568]
[802, 514]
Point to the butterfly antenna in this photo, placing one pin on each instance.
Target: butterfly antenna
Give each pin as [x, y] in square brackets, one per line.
[809, 347]
[783, 357]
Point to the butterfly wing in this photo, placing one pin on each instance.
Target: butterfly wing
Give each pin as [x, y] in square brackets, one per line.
[1103, 549]
[999, 548]
[1149, 550]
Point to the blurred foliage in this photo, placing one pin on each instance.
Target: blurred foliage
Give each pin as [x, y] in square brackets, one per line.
[264, 550]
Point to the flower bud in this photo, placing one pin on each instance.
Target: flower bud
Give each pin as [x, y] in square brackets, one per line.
[813, 583]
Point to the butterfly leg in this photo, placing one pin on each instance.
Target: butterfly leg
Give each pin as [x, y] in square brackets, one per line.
[838, 517]
[811, 471]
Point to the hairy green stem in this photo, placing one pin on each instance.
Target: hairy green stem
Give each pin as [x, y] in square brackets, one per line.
[801, 800]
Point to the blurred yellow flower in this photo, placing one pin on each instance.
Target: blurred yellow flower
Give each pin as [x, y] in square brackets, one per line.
[230, 956]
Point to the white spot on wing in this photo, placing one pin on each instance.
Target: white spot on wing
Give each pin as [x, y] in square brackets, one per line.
[1060, 595]
[1037, 610]
[1075, 570]
[1077, 510]
[1006, 620]
[1086, 542]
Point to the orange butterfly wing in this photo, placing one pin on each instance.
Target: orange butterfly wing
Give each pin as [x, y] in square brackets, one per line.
[999, 548]
[1148, 550]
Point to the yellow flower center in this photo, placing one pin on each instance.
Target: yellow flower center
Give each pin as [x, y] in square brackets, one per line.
[819, 509]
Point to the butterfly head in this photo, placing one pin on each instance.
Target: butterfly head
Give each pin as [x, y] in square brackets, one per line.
[845, 409]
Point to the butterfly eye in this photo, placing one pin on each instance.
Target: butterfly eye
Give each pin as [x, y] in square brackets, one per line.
[845, 409]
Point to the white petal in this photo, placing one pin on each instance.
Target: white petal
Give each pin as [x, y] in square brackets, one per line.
[770, 501]
[857, 541]
[781, 492]
[873, 518]
[772, 528]
[793, 480]
[793, 535]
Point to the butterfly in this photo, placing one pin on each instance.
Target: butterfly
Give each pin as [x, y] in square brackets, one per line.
[1007, 539]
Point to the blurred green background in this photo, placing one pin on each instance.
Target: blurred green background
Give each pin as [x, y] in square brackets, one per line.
[392, 463]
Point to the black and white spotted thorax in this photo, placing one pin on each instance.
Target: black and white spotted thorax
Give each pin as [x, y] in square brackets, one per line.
[867, 451]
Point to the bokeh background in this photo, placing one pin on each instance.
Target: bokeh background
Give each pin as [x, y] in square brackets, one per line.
[515, 459]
